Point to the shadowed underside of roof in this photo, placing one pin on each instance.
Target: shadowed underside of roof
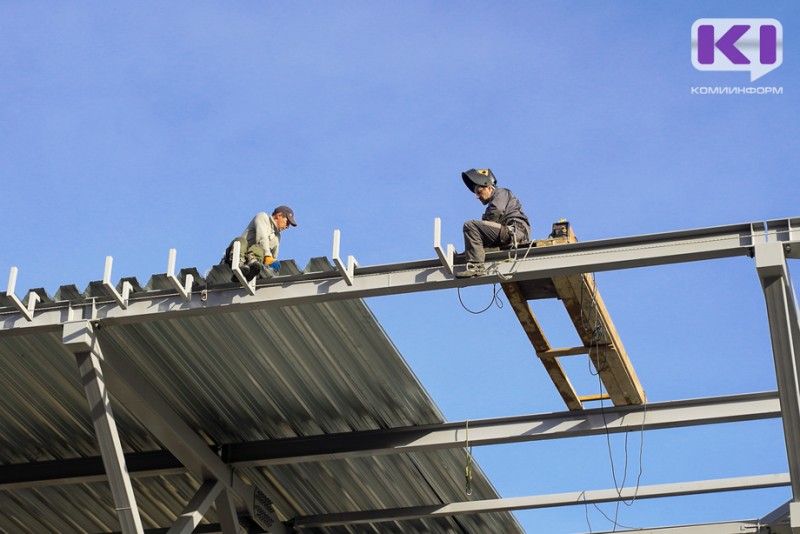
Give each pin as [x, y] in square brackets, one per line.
[234, 377]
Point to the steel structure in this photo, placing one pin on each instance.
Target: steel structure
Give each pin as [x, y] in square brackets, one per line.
[79, 322]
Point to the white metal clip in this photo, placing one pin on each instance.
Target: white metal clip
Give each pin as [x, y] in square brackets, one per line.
[446, 257]
[122, 299]
[249, 286]
[346, 272]
[33, 298]
[184, 290]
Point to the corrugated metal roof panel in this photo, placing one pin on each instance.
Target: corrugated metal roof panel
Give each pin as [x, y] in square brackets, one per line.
[234, 377]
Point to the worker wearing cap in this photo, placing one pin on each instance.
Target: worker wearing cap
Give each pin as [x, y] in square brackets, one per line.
[260, 240]
[502, 224]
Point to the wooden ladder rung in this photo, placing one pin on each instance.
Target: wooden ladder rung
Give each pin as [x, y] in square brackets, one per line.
[572, 351]
[590, 398]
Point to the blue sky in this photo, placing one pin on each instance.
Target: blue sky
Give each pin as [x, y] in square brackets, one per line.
[128, 129]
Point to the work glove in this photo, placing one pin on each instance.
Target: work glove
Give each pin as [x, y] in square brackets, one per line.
[272, 263]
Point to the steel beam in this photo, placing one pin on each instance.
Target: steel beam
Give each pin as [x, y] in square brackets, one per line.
[197, 507]
[80, 339]
[725, 527]
[85, 470]
[543, 501]
[567, 424]
[785, 333]
[135, 392]
[226, 512]
[426, 275]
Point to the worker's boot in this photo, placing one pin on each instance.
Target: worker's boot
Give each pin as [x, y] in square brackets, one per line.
[244, 267]
[472, 269]
[251, 267]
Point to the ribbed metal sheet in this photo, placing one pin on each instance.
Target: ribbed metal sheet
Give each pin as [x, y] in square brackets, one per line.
[234, 377]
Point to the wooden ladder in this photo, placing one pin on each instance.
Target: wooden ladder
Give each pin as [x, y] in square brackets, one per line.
[595, 328]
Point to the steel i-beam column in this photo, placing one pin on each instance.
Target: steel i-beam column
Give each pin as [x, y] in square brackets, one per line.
[226, 512]
[785, 333]
[79, 338]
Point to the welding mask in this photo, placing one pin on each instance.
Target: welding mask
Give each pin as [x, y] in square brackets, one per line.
[478, 178]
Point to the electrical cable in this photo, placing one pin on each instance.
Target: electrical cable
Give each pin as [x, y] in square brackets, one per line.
[495, 300]
[598, 330]
[616, 524]
[586, 511]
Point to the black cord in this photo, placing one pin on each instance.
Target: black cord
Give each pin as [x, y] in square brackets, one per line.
[616, 524]
[597, 329]
[586, 511]
[495, 300]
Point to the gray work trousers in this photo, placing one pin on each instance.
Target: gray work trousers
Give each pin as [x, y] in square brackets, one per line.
[481, 234]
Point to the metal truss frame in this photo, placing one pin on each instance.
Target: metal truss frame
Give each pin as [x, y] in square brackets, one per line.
[578, 498]
[770, 243]
[539, 427]
[219, 482]
[410, 277]
[520, 429]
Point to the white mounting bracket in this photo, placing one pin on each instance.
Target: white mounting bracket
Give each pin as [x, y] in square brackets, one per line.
[122, 299]
[346, 272]
[184, 290]
[33, 298]
[446, 257]
[794, 516]
[236, 252]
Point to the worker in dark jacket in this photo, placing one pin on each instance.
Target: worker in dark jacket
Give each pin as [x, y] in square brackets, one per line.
[502, 224]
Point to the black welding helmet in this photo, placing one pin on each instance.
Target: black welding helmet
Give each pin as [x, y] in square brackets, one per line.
[478, 178]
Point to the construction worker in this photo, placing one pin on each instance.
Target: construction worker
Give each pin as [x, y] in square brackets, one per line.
[258, 244]
[502, 224]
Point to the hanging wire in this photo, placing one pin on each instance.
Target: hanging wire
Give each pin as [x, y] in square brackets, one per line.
[495, 300]
[599, 333]
[493, 270]
[616, 523]
[586, 511]
[513, 255]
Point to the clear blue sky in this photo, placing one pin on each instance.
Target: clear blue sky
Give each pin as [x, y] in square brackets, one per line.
[131, 128]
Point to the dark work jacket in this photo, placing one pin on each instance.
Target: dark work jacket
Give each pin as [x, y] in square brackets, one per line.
[504, 208]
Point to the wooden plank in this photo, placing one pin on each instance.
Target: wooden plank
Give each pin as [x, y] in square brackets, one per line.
[537, 338]
[574, 351]
[594, 326]
[595, 397]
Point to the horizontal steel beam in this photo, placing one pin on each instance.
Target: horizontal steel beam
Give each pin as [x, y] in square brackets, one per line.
[741, 527]
[519, 265]
[567, 424]
[84, 470]
[543, 501]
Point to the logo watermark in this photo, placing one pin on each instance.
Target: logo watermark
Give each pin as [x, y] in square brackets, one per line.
[754, 45]
[723, 90]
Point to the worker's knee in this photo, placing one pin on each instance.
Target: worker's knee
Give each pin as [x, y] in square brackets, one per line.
[242, 246]
[258, 250]
[471, 226]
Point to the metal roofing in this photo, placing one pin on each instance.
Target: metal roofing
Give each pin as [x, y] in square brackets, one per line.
[245, 375]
